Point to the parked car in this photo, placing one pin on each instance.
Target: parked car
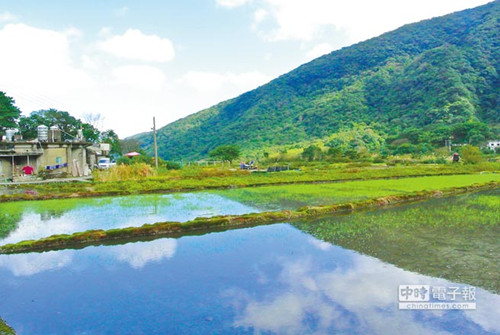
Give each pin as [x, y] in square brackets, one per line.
[105, 163]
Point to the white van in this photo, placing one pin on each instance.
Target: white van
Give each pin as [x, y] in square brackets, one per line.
[105, 163]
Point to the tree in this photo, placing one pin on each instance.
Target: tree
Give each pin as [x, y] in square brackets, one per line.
[52, 117]
[471, 154]
[109, 136]
[130, 144]
[8, 112]
[225, 153]
[312, 153]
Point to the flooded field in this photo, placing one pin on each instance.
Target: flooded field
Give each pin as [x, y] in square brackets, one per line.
[26, 220]
[36, 219]
[337, 275]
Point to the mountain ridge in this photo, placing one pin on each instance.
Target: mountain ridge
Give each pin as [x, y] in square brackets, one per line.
[433, 73]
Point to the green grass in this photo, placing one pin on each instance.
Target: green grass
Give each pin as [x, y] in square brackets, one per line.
[293, 196]
[190, 179]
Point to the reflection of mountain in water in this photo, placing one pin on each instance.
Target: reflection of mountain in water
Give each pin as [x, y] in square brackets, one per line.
[454, 238]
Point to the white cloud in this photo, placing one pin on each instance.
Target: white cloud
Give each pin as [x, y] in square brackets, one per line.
[30, 264]
[140, 76]
[38, 59]
[259, 15]
[139, 254]
[231, 3]
[363, 290]
[319, 50]
[135, 45]
[212, 82]
[360, 19]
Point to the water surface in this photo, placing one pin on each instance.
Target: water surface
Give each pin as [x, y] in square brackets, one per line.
[263, 280]
[36, 219]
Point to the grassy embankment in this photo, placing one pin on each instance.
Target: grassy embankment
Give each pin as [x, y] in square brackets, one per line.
[200, 225]
[190, 179]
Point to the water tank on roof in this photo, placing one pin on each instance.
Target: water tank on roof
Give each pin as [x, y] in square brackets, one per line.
[54, 134]
[43, 133]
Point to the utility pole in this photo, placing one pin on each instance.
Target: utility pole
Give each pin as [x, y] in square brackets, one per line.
[155, 145]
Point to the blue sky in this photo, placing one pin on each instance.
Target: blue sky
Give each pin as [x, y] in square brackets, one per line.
[131, 60]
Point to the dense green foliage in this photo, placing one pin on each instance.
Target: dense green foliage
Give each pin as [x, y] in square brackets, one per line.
[8, 113]
[416, 86]
[225, 153]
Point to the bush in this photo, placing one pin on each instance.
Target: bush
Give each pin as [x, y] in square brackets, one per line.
[471, 154]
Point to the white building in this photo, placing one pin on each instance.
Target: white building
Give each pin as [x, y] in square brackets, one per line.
[494, 145]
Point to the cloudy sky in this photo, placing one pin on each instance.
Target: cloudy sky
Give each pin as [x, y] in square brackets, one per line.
[132, 60]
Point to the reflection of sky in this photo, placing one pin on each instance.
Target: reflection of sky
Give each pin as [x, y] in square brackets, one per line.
[269, 279]
[123, 212]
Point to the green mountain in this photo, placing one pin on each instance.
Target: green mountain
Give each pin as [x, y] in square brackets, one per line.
[437, 77]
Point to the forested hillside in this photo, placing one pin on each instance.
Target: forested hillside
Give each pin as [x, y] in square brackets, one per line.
[420, 84]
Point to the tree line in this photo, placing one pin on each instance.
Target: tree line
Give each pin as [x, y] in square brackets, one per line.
[11, 118]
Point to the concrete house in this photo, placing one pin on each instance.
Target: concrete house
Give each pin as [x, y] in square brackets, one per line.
[20, 158]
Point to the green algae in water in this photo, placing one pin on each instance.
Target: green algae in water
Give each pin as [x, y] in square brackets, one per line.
[457, 238]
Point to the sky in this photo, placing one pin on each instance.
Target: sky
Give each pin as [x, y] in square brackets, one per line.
[128, 61]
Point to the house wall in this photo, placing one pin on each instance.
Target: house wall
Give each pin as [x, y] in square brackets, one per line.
[74, 154]
[53, 155]
[5, 168]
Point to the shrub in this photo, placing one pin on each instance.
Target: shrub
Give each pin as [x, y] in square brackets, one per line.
[471, 154]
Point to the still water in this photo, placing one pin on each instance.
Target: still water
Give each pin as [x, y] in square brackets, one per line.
[36, 219]
[262, 280]
[337, 275]
[25, 220]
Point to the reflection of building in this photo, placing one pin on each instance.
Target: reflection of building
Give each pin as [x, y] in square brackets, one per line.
[64, 157]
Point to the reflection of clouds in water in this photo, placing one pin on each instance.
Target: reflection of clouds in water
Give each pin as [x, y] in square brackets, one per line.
[137, 255]
[30, 264]
[487, 313]
[124, 212]
[359, 299]
[32, 227]
[321, 245]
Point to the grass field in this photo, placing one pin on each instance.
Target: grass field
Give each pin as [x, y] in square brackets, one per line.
[189, 179]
